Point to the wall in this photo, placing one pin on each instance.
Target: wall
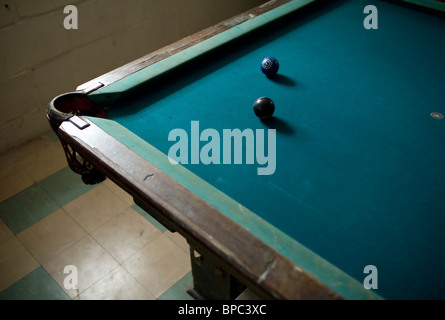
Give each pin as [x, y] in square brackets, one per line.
[40, 59]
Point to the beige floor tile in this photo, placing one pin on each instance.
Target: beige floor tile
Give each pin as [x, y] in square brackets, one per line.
[15, 262]
[177, 238]
[51, 235]
[95, 207]
[117, 285]
[90, 259]
[159, 265]
[5, 232]
[248, 294]
[125, 234]
[119, 192]
[44, 162]
[13, 180]
[18, 171]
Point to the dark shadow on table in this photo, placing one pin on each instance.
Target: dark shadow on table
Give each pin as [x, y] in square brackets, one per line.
[279, 125]
[283, 80]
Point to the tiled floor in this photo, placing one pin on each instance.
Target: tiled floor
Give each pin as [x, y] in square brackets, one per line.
[50, 220]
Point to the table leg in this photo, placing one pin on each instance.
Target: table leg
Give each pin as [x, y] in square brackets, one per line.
[210, 280]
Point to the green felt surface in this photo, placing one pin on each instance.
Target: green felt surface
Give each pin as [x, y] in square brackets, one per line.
[438, 5]
[359, 177]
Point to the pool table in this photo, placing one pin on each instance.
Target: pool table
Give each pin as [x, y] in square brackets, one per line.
[339, 195]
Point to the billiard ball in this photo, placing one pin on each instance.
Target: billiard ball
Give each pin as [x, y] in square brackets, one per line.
[264, 108]
[270, 66]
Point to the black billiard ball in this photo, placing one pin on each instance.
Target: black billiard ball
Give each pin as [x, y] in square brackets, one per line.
[270, 66]
[264, 108]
